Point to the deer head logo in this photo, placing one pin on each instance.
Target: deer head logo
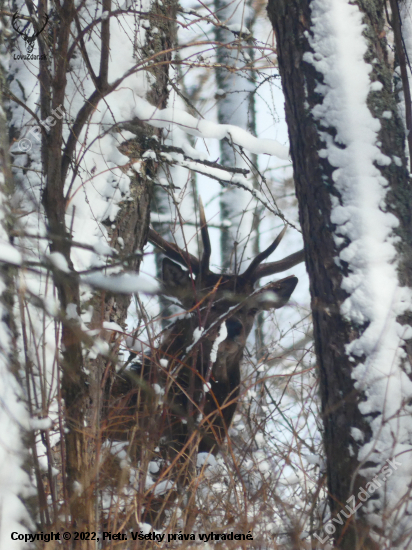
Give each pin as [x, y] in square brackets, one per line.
[29, 39]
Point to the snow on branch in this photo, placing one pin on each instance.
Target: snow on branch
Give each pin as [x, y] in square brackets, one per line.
[126, 283]
[223, 174]
[165, 118]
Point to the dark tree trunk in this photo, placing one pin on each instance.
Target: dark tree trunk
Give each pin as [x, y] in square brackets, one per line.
[291, 20]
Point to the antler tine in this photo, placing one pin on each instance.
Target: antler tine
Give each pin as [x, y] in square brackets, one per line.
[174, 252]
[14, 21]
[250, 271]
[277, 267]
[207, 249]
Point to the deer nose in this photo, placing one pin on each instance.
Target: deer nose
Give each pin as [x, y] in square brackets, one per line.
[234, 328]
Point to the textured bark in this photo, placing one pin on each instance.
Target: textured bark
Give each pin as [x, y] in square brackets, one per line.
[291, 21]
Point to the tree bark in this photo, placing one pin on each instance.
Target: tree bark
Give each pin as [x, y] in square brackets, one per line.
[291, 20]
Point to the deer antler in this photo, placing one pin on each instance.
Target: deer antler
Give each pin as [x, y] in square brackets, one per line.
[36, 34]
[29, 40]
[174, 252]
[14, 23]
[256, 271]
[207, 249]
[277, 267]
[263, 255]
[181, 256]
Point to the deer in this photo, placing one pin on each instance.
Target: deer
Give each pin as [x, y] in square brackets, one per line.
[198, 362]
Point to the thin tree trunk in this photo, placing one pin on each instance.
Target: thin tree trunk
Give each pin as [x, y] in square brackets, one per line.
[235, 104]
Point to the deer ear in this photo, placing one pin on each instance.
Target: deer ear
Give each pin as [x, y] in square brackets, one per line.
[175, 279]
[277, 294]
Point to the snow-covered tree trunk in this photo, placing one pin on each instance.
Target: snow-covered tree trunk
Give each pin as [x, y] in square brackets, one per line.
[348, 148]
[14, 418]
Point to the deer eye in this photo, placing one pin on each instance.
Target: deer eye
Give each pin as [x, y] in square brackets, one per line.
[253, 311]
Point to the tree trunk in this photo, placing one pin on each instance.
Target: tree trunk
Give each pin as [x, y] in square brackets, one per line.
[317, 194]
[235, 105]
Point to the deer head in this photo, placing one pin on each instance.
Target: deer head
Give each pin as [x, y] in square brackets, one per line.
[27, 38]
[205, 349]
